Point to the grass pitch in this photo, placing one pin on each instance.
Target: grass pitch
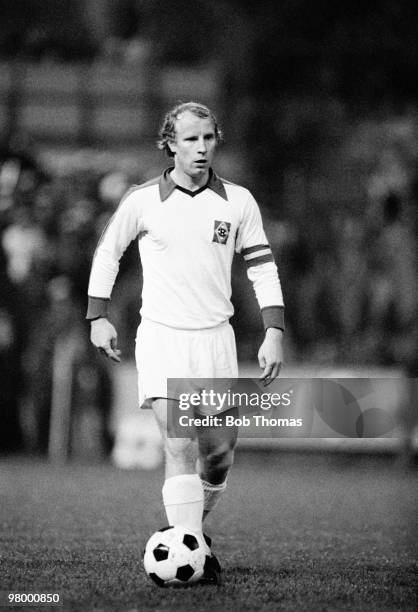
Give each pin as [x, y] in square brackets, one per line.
[293, 532]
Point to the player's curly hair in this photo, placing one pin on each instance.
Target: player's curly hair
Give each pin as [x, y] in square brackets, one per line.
[168, 129]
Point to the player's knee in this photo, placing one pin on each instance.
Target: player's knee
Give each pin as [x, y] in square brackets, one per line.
[180, 451]
[219, 458]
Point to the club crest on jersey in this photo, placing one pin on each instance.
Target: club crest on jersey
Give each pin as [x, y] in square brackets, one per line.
[221, 231]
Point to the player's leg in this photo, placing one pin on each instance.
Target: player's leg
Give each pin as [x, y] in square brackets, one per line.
[216, 444]
[182, 490]
[216, 456]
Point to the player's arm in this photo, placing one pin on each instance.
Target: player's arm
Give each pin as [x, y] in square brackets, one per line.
[262, 272]
[122, 228]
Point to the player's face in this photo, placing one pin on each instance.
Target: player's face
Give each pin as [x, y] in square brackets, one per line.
[194, 145]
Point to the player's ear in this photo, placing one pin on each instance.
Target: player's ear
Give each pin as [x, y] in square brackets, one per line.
[171, 147]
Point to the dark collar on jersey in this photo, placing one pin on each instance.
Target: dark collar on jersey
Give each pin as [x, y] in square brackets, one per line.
[167, 186]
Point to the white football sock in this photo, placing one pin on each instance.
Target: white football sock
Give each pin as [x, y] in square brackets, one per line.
[212, 494]
[183, 501]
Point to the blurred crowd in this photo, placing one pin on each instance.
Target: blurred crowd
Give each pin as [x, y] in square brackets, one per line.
[351, 288]
[349, 283]
[49, 226]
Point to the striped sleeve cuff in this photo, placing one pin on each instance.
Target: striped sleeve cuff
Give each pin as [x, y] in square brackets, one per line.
[257, 255]
[273, 316]
[97, 308]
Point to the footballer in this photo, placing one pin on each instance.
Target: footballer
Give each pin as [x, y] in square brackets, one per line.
[188, 223]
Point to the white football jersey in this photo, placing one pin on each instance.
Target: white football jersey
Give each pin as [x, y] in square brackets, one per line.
[186, 243]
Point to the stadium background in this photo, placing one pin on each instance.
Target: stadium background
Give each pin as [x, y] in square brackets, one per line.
[319, 106]
[319, 109]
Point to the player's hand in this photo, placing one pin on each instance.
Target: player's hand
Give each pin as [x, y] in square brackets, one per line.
[104, 337]
[270, 355]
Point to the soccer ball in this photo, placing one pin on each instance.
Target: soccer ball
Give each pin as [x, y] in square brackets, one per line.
[175, 555]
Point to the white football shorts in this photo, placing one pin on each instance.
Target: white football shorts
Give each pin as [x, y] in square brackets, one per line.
[164, 352]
